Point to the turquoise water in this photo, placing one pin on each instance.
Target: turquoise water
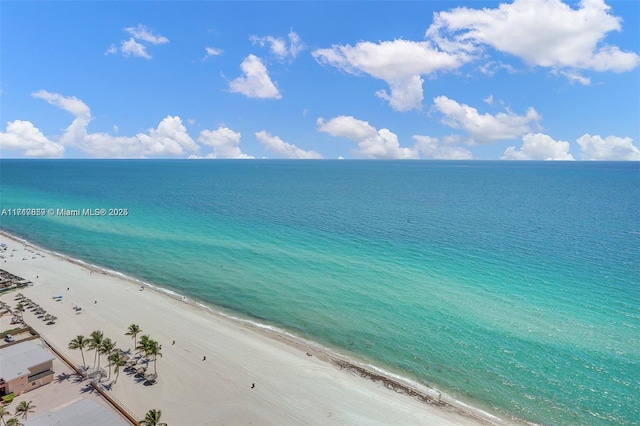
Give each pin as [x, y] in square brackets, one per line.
[512, 286]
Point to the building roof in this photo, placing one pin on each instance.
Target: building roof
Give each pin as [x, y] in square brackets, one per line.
[17, 360]
[82, 412]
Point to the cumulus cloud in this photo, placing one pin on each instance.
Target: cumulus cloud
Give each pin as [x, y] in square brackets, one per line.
[255, 81]
[211, 51]
[609, 148]
[169, 138]
[437, 149]
[400, 63]
[141, 38]
[546, 33]
[224, 142]
[24, 137]
[538, 146]
[284, 149]
[279, 46]
[484, 128]
[372, 143]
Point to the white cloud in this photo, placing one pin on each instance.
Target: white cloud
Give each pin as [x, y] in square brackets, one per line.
[576, 77]
[484, 128]
[145, 34]
[491, 67]
[112, 50]
[372, 143]
[278, 46]
[137, 44]
[405, 94]
[211, 51]
[170, 138]
[284, 149]
[255, 82]
[224, 142]
[538, 146]
[295, 44]
[547, 33]
[70, 104]
[133, 48]
[400, 63]
[25, 137]
[609, 148]
[437, 149]
[488, 100]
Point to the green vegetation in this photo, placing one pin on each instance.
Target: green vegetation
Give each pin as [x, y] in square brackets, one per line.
[13, 331]
[3, 413]
[106, 348]
[134, 330]
[12, 422]
[80, 342]
[20, 308]
[95, 343]
[152, 418]
[117, 360]
[24, 408]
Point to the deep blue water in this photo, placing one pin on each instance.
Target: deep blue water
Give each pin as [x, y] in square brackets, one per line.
[514, 286]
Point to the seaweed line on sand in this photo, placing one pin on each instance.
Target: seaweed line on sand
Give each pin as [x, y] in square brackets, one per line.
[402, 388]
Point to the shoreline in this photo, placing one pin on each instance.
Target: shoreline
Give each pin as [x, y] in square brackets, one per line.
[429, 399]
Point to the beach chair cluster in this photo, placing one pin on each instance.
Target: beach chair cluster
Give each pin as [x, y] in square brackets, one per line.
[139, 370]
[37, 310]
[8, 281]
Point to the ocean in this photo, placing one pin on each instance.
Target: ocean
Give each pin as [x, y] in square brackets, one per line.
[511, 286]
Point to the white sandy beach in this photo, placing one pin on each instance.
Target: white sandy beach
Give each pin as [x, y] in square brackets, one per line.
[290, 386]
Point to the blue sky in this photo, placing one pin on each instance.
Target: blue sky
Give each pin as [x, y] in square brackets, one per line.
[529, 79]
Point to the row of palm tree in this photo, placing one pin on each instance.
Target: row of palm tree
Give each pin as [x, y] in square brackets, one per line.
[146, 345]
[105, 346]
[149, 348]
[23, 409]
[102, 346]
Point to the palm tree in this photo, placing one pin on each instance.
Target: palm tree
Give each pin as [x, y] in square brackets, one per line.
[117, 360]
[107, 348]
[134, 329]
[24, 408]
[95, 343]
[20, 308]
[12, 422]
[80, 342]
[143, 345]
[152, 418]
[3, 412]
[154, 349]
